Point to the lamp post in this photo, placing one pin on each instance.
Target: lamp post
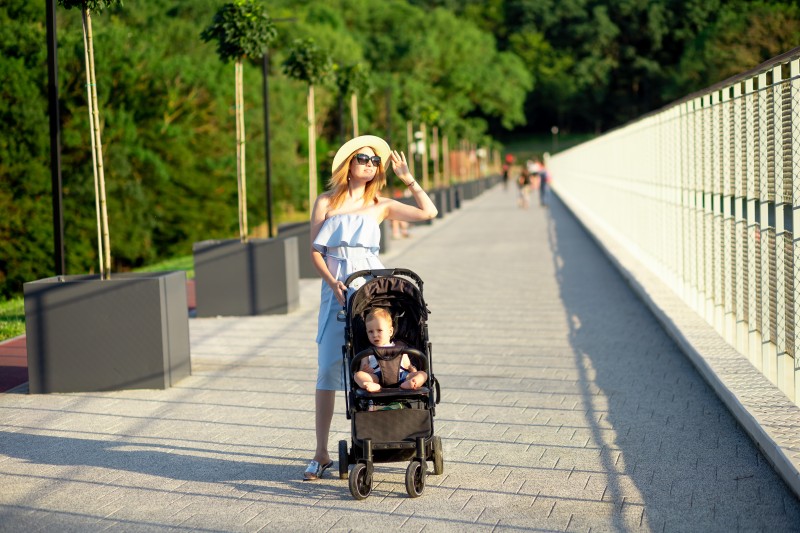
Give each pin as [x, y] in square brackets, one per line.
[267, 160]
[554, 131]
[55, 139]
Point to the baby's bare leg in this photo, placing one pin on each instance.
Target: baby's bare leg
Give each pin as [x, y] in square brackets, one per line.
[367, 381]
[414, 380]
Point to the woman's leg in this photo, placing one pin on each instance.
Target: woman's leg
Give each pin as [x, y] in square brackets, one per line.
[325, 400]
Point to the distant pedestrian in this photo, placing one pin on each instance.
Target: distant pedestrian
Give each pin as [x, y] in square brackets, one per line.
[544, 181]
[507, 169]
[524, 185]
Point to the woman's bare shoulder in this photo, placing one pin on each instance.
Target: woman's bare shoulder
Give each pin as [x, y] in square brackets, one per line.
[323, 201]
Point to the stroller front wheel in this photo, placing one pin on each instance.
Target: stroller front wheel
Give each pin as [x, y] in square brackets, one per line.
[360, 486]
[415, 479]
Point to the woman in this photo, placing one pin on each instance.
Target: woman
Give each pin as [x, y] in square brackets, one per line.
[345, 236]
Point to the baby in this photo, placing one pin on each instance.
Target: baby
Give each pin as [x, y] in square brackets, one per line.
[380, 332]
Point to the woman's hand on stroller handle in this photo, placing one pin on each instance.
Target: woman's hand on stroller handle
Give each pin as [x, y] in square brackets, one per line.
[339, 291]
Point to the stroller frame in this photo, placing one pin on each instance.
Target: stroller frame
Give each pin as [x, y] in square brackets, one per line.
[406, 433]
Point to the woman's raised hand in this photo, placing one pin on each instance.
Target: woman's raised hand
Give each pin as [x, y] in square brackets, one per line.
[400, 165]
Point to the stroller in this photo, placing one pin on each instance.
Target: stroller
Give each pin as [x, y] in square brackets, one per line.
[393, 424]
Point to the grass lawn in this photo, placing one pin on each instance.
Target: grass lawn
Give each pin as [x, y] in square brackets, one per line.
[12, 318]
[184, 262]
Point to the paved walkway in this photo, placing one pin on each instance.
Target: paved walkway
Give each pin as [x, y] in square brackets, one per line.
[566, 407]
[13, 363]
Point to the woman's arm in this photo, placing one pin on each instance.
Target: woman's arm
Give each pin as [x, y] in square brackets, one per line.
[425, 209]
[317, 220]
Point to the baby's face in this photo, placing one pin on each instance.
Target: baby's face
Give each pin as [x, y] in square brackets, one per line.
[379, 332]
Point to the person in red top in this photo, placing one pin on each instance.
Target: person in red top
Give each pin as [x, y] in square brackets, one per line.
[507, 169]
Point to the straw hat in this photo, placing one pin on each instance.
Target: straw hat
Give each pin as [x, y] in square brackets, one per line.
[380, 146]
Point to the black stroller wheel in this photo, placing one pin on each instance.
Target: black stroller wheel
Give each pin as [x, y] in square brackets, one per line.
[360, 487]
[343, 462]
[438, 458]
[415, 479]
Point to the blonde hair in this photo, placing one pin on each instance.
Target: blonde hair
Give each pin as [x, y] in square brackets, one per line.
[378, 313]
[338, 182]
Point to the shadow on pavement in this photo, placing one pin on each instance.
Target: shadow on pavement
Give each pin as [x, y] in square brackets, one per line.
[657, 423]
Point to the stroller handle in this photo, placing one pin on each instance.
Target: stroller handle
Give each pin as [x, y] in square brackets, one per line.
[384, 272]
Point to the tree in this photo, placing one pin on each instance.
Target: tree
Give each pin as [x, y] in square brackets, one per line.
[103, 240]
[308, 63]
[25, 214]
[241, 28]
[744, 35]
[351, 80]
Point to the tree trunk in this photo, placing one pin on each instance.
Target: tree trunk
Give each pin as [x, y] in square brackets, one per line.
[354, 113]
[312, 150]
[446, 160]
[410, 140]
[342, 129]
[240, 151]
[97, 150]
[437, 180]
[90, 107]
[424, 138]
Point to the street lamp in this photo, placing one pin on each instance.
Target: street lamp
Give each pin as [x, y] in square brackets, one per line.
[55, 139]
[554, 131]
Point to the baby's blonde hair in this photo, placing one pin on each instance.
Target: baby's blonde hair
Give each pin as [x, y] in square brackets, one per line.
[378, 313]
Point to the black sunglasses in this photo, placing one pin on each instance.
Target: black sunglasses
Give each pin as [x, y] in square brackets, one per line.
[363, 159]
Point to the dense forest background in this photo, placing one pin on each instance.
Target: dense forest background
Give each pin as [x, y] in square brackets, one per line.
[483, 71]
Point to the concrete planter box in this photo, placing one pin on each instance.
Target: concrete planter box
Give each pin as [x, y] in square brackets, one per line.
[301, 230]
[258, 277]
[452, 197]
[441, 197]
[85, 334]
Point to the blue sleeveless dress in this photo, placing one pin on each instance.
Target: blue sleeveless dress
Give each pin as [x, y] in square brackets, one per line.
[349, 243]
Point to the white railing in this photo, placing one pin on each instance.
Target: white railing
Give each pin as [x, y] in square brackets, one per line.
[706, 193]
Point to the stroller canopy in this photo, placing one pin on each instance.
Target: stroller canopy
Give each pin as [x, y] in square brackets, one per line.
[404, 301]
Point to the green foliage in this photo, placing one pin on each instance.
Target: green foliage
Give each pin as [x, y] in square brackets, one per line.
[474, 69]
[307, 62]
[740, 39]
[25, 245]
[241, 28]
[353, 79]
[91, 5]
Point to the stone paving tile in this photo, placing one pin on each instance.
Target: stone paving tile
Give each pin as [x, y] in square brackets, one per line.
[565, 407]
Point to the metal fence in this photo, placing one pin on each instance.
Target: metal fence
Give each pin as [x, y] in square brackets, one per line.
[706, 192]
